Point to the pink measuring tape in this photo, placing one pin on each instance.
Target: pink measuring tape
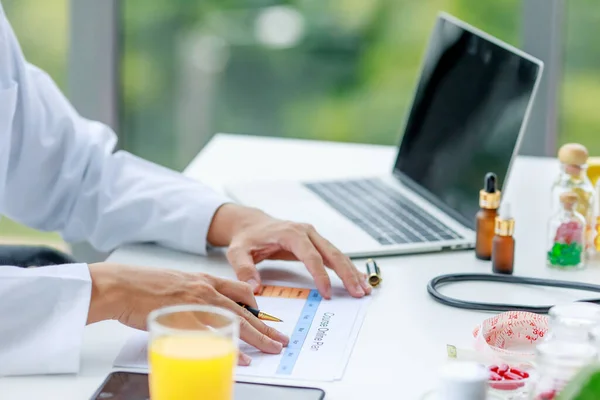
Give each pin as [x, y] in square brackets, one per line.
[512, 334]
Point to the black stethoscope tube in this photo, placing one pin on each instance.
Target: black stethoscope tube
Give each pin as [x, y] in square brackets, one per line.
[499, 307]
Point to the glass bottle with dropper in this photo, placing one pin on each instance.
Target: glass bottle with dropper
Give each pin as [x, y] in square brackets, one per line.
[489, 200]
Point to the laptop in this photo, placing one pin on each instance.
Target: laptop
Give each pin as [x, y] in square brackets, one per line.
[468, 115]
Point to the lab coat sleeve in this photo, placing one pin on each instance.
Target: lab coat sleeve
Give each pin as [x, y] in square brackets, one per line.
[42, 315]
[60, 172]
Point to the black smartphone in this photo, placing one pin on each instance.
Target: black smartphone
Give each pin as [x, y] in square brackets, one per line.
[121, 385]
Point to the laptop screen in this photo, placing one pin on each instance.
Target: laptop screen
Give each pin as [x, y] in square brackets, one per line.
[469, 109]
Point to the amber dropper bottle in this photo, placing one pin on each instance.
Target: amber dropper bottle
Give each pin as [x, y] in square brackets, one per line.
[489, 200]
[503, 245]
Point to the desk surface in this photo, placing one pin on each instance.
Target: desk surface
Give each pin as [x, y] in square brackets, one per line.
[399, 348]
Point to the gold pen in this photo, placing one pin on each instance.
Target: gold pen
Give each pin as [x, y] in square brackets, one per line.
[373, 273]
[260, 314]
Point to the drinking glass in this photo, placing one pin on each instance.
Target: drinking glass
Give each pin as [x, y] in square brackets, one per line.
[192, 352]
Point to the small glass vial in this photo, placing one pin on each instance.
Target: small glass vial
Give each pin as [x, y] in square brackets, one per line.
[595, 334]
[573, 321]
[566, 235]
[596, 232]
[567, 349]
[557, 363]
[573, 177]
[503, 244]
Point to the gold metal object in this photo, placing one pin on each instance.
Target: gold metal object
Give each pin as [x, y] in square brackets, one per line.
[260, 314]
[268, 317]
[489, 201]
[373, 273]
[505, 227]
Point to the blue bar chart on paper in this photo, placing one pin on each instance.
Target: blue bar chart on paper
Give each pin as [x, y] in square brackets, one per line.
[322, 334]
[299, 334]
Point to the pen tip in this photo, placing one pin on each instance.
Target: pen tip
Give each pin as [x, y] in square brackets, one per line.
[267, 317]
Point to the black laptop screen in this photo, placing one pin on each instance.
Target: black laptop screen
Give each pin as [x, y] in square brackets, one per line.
[468, 111]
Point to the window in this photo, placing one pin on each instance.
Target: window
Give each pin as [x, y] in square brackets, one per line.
[45, 46]
[580, 120]
[341, 70]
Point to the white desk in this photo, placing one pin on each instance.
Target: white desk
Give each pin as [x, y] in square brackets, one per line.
[403, 338]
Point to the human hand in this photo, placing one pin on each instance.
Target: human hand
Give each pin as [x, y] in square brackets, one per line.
[259, 237]
[128, 294]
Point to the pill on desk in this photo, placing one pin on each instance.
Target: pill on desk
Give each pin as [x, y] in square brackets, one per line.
[494, 376]
[522, 374]
[511, 376]
[547, 395]
[502, 369]
[494, 368]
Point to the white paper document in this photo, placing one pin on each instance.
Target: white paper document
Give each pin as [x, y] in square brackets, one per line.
[322, 335]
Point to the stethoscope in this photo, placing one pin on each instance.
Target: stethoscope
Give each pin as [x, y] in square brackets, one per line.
[432, 289]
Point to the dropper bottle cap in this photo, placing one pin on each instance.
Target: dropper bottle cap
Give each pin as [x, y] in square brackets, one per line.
[505, 223]
[489, 196]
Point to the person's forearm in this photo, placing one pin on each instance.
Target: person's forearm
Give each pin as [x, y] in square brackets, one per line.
[104, 295]
[229, 219]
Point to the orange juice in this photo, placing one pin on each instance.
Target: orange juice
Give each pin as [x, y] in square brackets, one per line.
[192, 367]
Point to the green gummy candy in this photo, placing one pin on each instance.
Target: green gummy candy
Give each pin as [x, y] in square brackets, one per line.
[565, 255]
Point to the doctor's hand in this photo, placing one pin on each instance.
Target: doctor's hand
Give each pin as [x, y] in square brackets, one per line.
[253, 236]
[128, 294]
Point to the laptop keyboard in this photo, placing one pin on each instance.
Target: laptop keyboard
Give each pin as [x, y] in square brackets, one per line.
[382, 212]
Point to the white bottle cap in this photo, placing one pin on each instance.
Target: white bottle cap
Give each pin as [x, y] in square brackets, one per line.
[463, 381]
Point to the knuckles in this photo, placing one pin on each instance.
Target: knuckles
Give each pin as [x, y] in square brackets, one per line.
[268, 331]
[204, 290]
[293, 229]
[307, 228]
[315, 258]
[244, 324]
[246, 289]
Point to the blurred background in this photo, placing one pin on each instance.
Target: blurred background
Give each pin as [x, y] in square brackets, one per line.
[169, 74]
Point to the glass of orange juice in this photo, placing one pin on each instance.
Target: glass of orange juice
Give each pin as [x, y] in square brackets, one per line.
[192, 352]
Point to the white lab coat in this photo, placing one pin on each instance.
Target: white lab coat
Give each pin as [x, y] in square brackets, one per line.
[59, 172]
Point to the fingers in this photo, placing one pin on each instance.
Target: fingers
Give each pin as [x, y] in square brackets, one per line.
[236, 291]
[306, 252]
[243, 265]
[244, 359]
[255, 332]
[354, 281]
[301, 242]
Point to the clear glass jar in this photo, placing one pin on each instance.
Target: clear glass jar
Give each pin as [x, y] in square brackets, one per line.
[573, 178]
[558, 361]
[595, 336]
[567, 349]
[596, 232]
[566, 235]
[573, 321]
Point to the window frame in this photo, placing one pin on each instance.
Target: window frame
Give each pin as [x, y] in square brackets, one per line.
[542, 36]
[93, 77]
